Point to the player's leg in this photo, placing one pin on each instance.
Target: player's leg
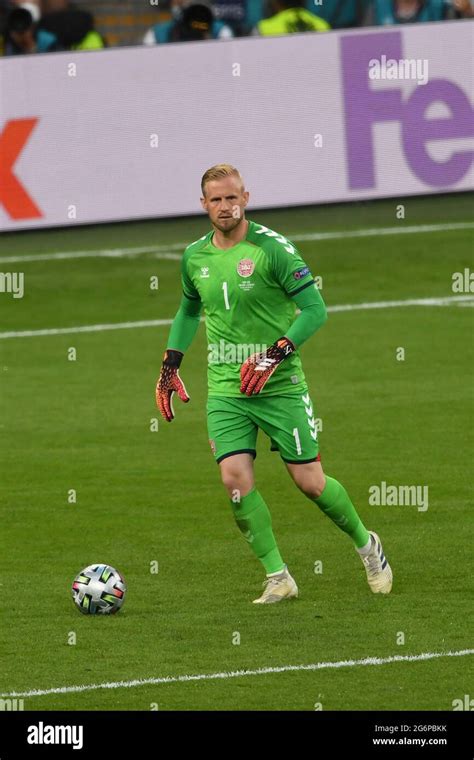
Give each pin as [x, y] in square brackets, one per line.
[255, 523]
[250, 510]
[290, 423]
[233, 438]
[237, 474]
[333, 499]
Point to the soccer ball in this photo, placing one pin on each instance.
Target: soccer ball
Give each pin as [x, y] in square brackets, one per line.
[98, 590]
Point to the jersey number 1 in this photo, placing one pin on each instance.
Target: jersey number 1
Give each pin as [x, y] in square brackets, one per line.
[226, 295]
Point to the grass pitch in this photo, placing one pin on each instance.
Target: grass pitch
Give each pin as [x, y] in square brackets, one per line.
[145, 496]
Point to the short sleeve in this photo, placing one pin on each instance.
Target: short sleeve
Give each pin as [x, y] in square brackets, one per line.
[290, 270]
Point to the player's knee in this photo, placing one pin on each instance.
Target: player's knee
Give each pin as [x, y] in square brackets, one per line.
[237, 492]
[311, 487]
[237, 484]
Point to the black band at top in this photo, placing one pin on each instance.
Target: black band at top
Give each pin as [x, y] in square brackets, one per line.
[302, 287]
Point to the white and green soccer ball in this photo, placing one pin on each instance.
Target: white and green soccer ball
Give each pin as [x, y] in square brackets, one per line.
[99, 590]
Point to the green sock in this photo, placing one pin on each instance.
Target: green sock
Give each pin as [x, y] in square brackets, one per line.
[255, 523]
[336, 504]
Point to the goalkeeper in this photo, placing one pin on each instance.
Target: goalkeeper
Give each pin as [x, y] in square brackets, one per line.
[249, 281]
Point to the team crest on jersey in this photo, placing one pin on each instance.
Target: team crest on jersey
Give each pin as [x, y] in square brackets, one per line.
[245, 267]
[204, 271]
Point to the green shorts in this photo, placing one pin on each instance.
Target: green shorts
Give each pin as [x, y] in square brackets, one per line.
[233, 424]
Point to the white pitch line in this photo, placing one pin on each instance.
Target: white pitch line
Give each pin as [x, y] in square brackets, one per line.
[375, 231]
[442, 301]
[367, 661]
[86, 328]
[165, 251]
[112, 253]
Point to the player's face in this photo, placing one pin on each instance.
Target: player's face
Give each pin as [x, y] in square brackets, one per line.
[225, 201]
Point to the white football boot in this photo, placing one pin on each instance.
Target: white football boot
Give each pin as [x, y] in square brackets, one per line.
[277, 588]
[379, 572]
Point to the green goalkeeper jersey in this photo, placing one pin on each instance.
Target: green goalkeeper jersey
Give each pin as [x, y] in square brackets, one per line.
[246, 291]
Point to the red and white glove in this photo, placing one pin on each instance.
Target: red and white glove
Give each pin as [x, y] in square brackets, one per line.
[256, 370]
[169, 382]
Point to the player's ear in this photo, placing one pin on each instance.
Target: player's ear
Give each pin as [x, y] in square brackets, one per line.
[204, 203]
[246, 197]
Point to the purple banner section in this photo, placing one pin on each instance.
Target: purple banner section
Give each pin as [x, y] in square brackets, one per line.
[365, 106]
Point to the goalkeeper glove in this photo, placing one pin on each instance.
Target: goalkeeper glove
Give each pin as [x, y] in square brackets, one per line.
[168, 383]
[256, 370]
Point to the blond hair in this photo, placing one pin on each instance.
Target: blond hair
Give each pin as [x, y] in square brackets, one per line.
[218, 172]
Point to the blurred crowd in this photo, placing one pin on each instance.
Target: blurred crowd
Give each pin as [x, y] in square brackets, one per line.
[41, 26]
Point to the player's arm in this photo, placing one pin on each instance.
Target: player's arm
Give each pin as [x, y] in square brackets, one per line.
[182, 332]
[296, 279]
[255, 372]
[312, 316]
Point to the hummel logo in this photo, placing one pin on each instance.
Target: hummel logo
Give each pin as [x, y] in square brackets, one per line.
[248, 536]
[309, 411]
[271, 233]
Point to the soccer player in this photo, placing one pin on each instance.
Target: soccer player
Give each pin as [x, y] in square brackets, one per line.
[249, 280]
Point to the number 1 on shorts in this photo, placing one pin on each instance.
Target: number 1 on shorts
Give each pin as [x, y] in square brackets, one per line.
[297, 439]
